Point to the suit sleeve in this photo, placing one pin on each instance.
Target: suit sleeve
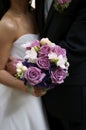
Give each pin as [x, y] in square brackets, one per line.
[75, 42]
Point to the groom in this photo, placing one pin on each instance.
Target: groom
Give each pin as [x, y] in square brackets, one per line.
[66, 103]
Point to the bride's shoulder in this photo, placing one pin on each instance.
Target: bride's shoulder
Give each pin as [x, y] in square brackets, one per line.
[7, 29]
[7, 24]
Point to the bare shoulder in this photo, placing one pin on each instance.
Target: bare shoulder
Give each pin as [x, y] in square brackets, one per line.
[8, 24]
[8, 28]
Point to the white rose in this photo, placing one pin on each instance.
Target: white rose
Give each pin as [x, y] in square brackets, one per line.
[52, 57]
[31, 55]
[61, 62]
[45, 41]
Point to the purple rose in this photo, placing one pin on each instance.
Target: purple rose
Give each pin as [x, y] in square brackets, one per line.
[44, 50]
[33, 44]
[58, 75]
[43, 63]
[63, 1]
[33, 75]
[59, 51]
[60, 5]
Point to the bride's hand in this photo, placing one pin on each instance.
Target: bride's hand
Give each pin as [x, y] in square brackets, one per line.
[12, 70]
[10, 66]
[38, 92]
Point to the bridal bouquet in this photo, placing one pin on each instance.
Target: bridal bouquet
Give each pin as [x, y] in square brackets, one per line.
[44, 65]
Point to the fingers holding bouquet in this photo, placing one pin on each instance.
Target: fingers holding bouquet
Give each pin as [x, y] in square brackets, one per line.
[38, 92]
[10, 65]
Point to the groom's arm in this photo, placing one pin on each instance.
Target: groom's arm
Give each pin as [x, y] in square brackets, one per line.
[75, 42]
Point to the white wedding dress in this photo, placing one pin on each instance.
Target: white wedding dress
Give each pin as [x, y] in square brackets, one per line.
[19, 110]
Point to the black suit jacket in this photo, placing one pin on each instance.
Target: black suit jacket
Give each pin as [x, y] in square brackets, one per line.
[67, 29]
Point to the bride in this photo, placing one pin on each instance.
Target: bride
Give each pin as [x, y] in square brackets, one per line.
[19, 108]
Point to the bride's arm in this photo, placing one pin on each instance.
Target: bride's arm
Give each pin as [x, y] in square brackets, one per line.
[7, 35]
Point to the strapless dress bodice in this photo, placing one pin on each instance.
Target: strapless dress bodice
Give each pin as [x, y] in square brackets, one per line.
[18, 51]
